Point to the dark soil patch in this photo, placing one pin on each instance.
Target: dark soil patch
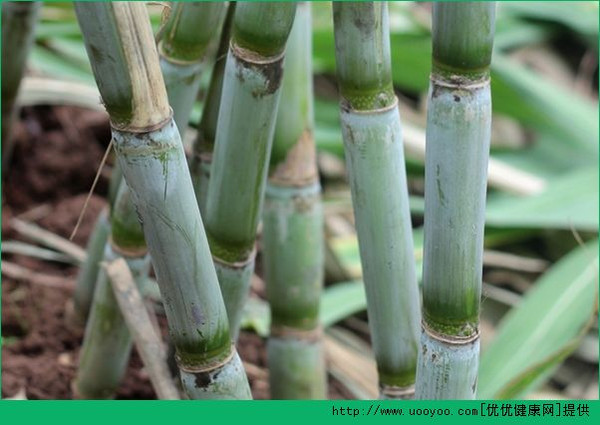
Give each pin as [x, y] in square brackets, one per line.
[54, 163]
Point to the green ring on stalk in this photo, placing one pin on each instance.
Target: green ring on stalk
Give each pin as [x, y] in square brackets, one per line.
[188, 31]
[365, 81]
[250, 22]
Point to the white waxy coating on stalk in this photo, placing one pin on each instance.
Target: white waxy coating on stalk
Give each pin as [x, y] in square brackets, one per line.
[375, 161]
[450, 369]
[458, 138]
[242, 150]
[155, 169]
[296, 368]
[182, 82]
[234, 280]
[222, 383]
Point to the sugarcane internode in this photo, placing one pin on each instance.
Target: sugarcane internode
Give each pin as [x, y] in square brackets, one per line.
[375, 160]
[458, 138]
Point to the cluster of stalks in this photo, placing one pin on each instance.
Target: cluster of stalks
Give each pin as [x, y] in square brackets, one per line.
[197, 222]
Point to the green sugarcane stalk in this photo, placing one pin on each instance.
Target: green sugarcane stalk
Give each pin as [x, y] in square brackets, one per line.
[458, 139]
[107, 342]
[201, 160]
[18, 29]
[293, 231]
[78, 308]
[125, 62]
[375, 160]
[251, 90]
[183, 49]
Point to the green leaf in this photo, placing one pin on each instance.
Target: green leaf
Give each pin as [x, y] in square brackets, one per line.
[579, 16]
[512, 33]
[548, 157]
[569, 201]
[58, 29]
[342, 300]
[50, 64]
[536, 101]
[538, 334]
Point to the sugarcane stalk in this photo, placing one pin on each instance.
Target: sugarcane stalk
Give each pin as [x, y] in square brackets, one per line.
[458, 139]
[125, 63]
[247, 113]
[18, 29]
[375, 160]
[183, 50]
[107, 342]
[293, 251]
[201, 160]
[78, 308]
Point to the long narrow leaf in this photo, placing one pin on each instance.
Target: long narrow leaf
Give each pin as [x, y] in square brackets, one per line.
[544, 328]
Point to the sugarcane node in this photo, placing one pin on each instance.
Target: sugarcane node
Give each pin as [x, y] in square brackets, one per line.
[346, 107]
[127, 128]
[238, 264]
[128, 253]
[454, 81]
[450, 339]
[286, 332]
[395, 392]
[299, 168]
[207, 366]
[270, 67]
[175, 61]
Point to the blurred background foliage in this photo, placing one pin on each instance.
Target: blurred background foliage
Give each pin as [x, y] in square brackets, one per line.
[539, 329]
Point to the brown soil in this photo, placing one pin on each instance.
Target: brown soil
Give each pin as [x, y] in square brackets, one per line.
[57, 153]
